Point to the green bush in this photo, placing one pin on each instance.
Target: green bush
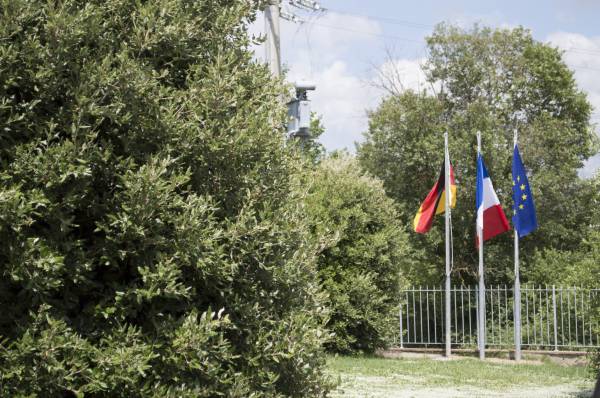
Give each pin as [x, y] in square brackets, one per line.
[152, 240]
[576, 267]
[360, 263]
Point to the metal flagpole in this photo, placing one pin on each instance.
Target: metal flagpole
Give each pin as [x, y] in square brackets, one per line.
[448, 192]
[517, 298]
[481, 317]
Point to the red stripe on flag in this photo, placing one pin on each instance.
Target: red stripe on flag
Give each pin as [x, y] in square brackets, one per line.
[424, 218]
[494, 222]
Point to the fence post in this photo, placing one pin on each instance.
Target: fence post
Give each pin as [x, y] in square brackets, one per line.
[401, 328]
[555, 321]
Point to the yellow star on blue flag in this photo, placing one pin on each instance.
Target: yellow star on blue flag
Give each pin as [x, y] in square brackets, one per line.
[524, 218]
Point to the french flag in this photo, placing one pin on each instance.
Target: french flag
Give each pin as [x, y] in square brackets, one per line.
[490, 216]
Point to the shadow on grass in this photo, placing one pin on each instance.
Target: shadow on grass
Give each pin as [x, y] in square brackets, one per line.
[581, 394]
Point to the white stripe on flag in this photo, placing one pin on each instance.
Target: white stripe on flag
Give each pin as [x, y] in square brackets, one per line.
[490, 199]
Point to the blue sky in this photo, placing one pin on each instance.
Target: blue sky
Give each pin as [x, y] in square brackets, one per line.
[342, 49]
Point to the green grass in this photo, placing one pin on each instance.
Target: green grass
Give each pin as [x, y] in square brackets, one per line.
[373, 376]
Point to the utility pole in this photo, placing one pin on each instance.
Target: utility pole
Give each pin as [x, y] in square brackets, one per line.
[273, 48]
[273, 13]
[298, 107]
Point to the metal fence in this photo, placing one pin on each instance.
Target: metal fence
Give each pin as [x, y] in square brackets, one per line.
[559, 318]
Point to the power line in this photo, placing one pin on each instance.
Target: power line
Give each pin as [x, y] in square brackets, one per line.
[584, 67]
[391, 21]
[367, 33]
[307, 5]
[411, 24]
[419, 25]
[412, 40]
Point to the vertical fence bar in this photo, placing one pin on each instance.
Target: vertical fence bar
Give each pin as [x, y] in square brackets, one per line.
[414, 292]
[541, 305]
[443, 313]
[455, 316]
[421, 311]
[562, 325]
[590, 317]
[401, 328]
[506, 313]
[533, 291]
[569, 314]
[434, 317]
[499, 316]
[554, 313]
[462, 312]
[470, 329]
[595, 295]
[575, 306]
[407, 320]
[592, 329]
[527, 311]
[547, 317]
[582, 316]
[536, 293]
[493, 338]
[427, 303]
[534, 315]
[595, 300]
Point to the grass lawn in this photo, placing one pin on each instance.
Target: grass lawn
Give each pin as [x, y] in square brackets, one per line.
[464, 377]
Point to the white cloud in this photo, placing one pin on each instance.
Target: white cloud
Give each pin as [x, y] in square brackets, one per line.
[342, 99]
[403, 74]
[582, 54]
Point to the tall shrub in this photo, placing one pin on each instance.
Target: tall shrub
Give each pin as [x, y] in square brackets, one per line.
[360, 265]
[152, 242]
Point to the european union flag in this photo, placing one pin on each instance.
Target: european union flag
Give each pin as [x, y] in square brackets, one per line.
[524, 218]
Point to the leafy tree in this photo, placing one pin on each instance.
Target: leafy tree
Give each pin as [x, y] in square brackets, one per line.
[312, 149]
[493, 81]
[360, 262]
[153, 242]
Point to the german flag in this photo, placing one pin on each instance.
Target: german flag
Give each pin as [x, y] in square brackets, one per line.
[435, 203]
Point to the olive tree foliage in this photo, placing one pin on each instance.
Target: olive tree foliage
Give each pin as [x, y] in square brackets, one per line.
[362, 255]
[493, 81]
[153, 240]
